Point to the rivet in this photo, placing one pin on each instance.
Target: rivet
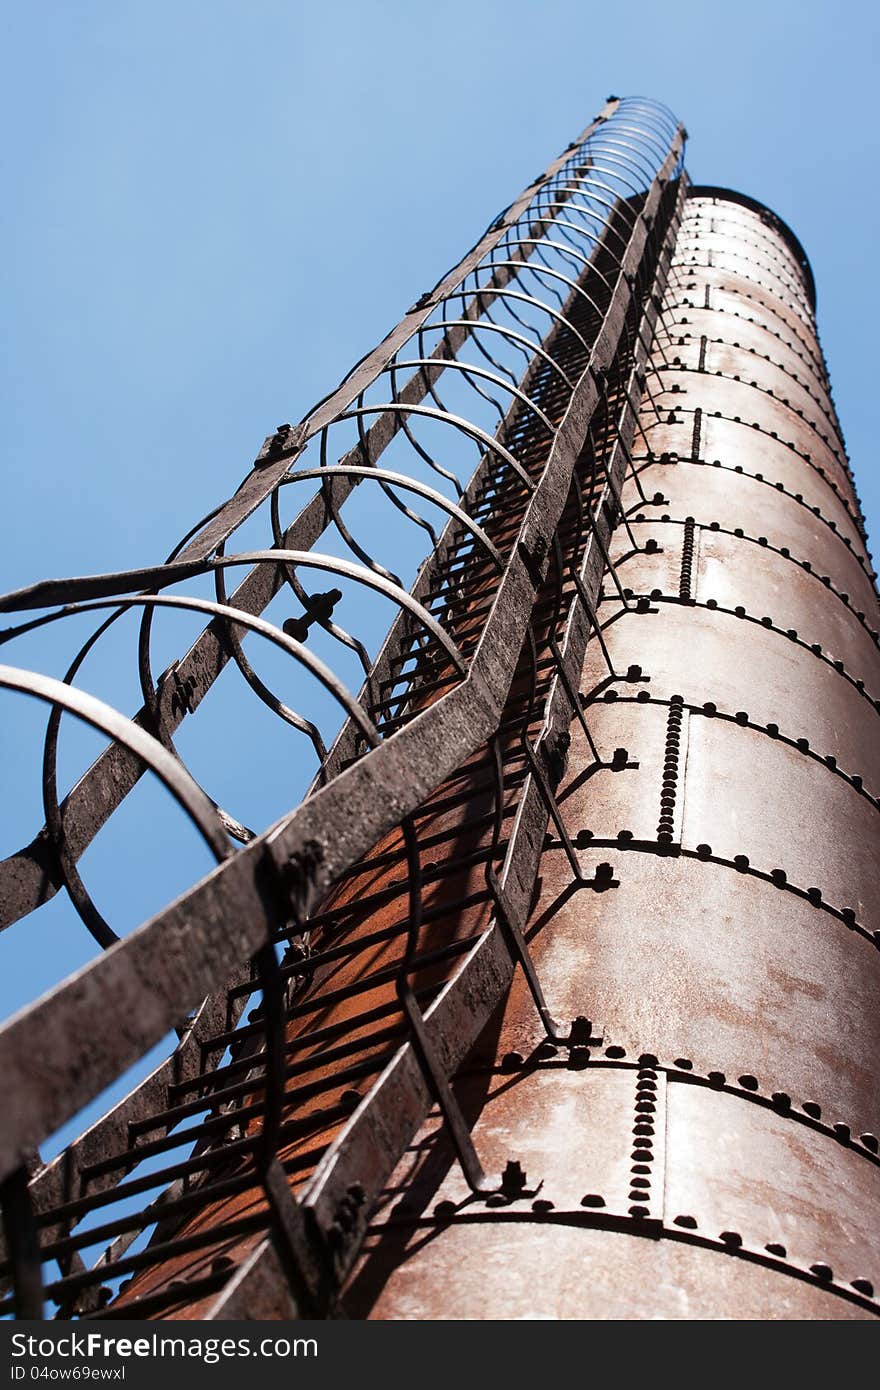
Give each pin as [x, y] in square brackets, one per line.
[810, 1108]
[615, 1052]
[733, 1239]
[748, 1082]
[688, 1222]
[592, 1199]
[775, 1249]
[822, 1271]
[716, 1078]
[870, 1141]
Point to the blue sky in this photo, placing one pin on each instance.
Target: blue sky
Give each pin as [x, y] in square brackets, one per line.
[212, 208]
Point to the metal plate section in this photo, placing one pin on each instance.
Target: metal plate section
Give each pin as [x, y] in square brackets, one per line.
[532, 1270]
[522, 1114]
[804, 1194]
[730, 968]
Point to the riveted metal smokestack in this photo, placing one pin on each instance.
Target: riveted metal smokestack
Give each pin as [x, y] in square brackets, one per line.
[726, 1102]
[555, 995]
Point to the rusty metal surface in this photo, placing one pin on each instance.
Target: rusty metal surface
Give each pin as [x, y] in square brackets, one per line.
[702, 1240]
[567, 961]
[710, 1148]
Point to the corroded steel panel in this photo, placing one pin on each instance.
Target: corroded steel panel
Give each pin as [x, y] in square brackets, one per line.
[801, 696]
[525, 1271]
[731, 971]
